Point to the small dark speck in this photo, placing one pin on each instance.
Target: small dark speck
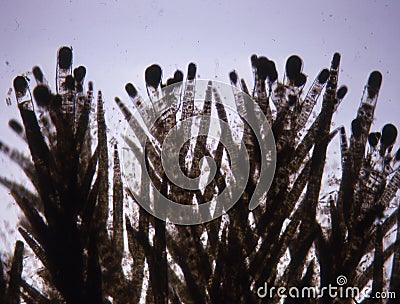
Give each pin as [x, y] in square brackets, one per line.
[330, 15]
[7, 63]
[16, 21]
[365, 47]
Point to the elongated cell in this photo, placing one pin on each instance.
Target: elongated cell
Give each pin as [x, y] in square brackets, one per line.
[373, 140]
[153, 76]
[44, 164]
[204, 129]
[39, 77]
[35, 246]
[8, 97]
[189, 92]
[79, 77]
[244, 111]
[294, 79]
[172, 95]
[13, 292]
[343, 145]
[64, 67]
[118, 240]
[360, 127]
[389, 135]
[396, 158]
[278, 96]
[340, 94]
[23, 93]
[333, 78]
[17, 128]
[20, 159]
[145, 109]
[308, 140]
[311, 99]
[65, 84]
[254, 62]
[285, 125]
[222, 116]
[43, 98]
[260, 93]
[237, 93]
[376, 167]
[368, 101]
[318, 157]
[133, 123]
[187, 110]
[85, 124]
[390, 190]
[305, 145]
[167, 107]
[69, 100]
[285, 95]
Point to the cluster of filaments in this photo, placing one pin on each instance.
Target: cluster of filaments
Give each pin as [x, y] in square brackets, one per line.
[241, 253]
[370, 170]
[287, 110]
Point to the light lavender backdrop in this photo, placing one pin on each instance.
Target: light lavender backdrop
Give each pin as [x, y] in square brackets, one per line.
[116, 40]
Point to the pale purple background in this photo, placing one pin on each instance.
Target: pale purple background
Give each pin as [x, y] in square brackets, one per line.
[116, 40]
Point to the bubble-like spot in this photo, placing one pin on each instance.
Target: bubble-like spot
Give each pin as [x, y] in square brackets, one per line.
[153, 75]
[335, 61]
[300, 80]
[341, 92]
[389, 135]
[16, 126]
[191, 71]
[131, 90]
[38, 74]
[79, 73]
[42, 95]
[70, 82]
[233, 77]
[20, 84]
[178, 76]
[374, 83]
[64, 57]
[373, 140]
[356, 128]
[323, 76]
[294, 65]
